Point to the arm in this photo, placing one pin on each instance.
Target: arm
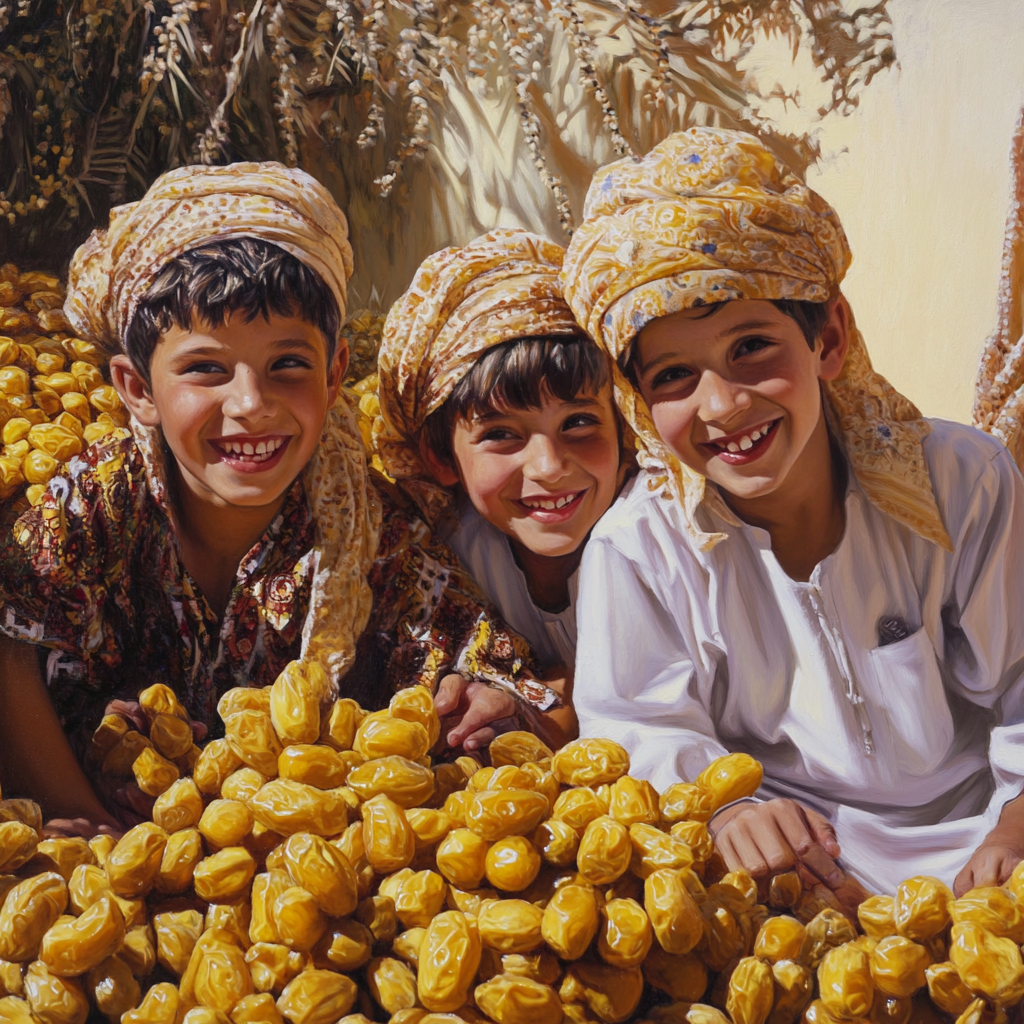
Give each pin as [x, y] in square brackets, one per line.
[1000, 852]
[37, 759]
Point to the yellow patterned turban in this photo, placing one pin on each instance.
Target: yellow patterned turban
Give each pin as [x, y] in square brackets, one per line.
[708, 216]
[182, 210]
[463, 301]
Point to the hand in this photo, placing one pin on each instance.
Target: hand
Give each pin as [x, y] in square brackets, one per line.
[131, 711]
[992, 863]
[775, 836]
[71, 828]
[472, 713]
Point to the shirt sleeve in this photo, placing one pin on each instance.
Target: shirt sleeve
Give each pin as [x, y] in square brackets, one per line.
[636, 680]
[984, 626]
[440, 621]
[65, 556]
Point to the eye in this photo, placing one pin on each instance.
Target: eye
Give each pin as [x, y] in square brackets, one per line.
[498, 434]
[748, 346]
[581, 420]
[292, 363]
[204, 368]
[671, 375]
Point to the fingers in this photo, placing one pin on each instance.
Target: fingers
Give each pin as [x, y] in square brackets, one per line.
[823, 832]
[135, 802]
[199, 731]
[449, 694]
[70, 828]
[486, 706]
[131, 711]
[793, 820]
[478, 739]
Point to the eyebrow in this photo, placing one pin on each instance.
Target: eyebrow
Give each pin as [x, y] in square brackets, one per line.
[740, 328]
[219, 350]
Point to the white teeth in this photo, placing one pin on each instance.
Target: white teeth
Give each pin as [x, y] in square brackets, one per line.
[247, 448]
[756, 435]
[746, 444]
[733, 446]
[261, 448]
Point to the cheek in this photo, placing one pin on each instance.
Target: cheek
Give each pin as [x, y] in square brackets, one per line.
[184, 412]
[486, 477]
[673, 421]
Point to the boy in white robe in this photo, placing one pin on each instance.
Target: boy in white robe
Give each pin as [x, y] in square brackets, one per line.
[806, 570]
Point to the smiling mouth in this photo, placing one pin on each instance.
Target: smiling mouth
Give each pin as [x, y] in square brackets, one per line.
[735, 444]
[252, 450]
[557, 506]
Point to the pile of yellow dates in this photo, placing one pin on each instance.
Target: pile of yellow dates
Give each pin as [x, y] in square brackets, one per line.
[314, 866]
[54, 397]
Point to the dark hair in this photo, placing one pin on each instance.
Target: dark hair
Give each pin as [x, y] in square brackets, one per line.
[519, 374]
[242, 275]
[810, 317]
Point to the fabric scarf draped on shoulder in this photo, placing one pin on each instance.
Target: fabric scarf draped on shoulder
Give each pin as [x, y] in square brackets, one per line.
[502, 286]
[709, 215]
[192, 206]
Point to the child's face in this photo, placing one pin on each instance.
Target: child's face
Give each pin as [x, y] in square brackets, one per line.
[734, 390]
[241, 405]
[542, 476]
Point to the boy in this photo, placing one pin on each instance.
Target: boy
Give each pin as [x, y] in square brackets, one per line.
[235, 529]
[496, 412]
[806, 569]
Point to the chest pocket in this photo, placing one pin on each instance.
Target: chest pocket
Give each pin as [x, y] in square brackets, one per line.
[913, 702]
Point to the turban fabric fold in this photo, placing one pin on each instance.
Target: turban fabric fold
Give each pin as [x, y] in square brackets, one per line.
[197, 205]
[707, 216]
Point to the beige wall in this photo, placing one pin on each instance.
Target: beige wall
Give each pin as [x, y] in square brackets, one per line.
[919, 176]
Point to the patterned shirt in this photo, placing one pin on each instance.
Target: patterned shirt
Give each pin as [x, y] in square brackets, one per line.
[95, 575]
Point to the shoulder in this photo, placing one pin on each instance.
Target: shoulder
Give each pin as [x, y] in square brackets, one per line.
[967, 466]
[645, 527]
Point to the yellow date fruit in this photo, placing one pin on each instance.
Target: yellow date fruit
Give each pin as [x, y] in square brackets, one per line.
[511, 926]
[682, 977]
[84, 942]
[876, 916]
[113, 988]
[259, 1008]
[392, 984]
[18, 843]
[225, 823]
[221, 977]
[780, 938]
[272, 965]
[418, 896]
[751, 992]
[730, 778]
[462, 858]
[512, 864]
[217, 761]
[570, 921]
[287, 807]
[845, 983]
[404, 781]
[250, 733]
[179, 806]
[318, 766]
[181, 857]
[497, 814]
[317, 997]
[347, 945]
[612, 993]
[921, 908]
[177, 933]
[298, 918]
[160, 1005]
[513, 999]
[518, 748]
[633, 800]
[53, 999]
[295, 703]
[170, 735]
[382, 736]
[225, 875]
[389, 841]
[605, 851]
[947, 989]
[29, 910]
[898, 965]
[448, 961]
[590, 762]
[322, 870]
[989, 965]
[675, 917]
[626, 935]
[557, 841]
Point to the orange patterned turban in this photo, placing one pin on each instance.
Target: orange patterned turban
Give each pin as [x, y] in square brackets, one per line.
[709, 215]
[189, 207]
[463, 301]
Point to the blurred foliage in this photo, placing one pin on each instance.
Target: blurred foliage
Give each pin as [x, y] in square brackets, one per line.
[98, 97]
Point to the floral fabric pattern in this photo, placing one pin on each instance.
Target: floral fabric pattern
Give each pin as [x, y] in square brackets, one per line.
[94, 574]
[709, 215]
[463, 301]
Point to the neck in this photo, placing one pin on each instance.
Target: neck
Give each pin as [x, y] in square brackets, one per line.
[805, 516]
[547, 577]
[213, 537]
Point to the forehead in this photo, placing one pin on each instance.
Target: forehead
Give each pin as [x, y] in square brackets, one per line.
[694, 329]
[550, 404]
[239, 335]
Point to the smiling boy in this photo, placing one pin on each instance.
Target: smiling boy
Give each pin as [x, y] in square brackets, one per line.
[236, 528]
[806, 570]
[496, 412]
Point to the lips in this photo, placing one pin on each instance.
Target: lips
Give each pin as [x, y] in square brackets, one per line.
[548, 508]
[250, 453]
[743, 446]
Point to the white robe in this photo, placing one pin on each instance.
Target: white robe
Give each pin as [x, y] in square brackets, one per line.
[485, 551]
[685, 655]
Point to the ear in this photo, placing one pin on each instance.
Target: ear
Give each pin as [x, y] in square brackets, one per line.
[835, 339]
[134, 391]
[444, 474]
[336, 371]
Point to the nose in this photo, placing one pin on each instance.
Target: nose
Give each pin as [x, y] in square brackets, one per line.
[246, 399]
[546, 460]
[719, 399]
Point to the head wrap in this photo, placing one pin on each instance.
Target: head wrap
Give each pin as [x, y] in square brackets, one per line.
[502, 286]
[189, 207]
[708, 216]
